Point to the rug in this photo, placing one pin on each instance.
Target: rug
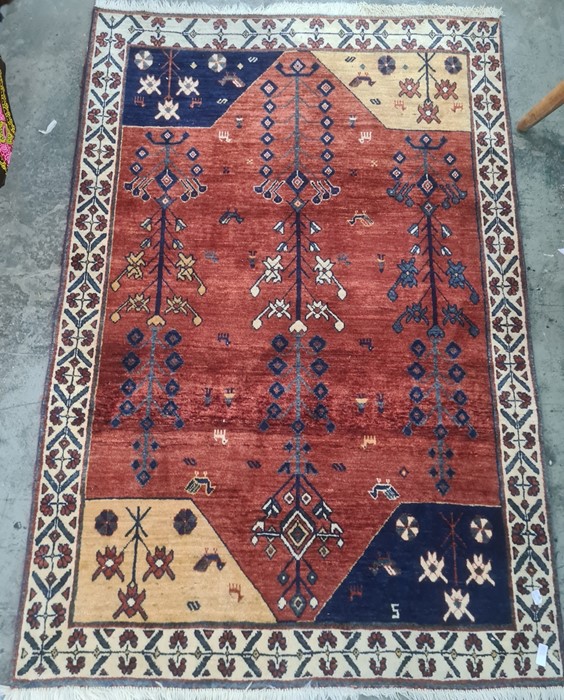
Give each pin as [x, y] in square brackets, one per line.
[290, 436]
[7, 126]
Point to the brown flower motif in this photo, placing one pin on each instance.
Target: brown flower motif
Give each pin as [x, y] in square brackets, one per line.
[277, 638]
[428, 112]
[178, 639]
[445, 89]
[128, 637]
[409, 88]
[131, 602]
[108, 564]
[159, 564]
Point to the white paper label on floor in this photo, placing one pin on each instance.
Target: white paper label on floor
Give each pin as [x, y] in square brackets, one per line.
[49, 129]
[542, 651]
[536, 596]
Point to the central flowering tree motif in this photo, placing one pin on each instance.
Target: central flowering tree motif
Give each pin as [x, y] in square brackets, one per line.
[155, 276]
[431, 276]
[297, 177]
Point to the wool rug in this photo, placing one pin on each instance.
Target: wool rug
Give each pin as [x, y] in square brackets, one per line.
[291, 443]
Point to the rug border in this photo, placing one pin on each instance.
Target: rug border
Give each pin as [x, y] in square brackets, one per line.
[55, 323]
[285, 7]
[527, 689]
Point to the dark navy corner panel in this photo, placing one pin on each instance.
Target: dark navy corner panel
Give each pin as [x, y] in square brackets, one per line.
[177, 87]
[423, 553]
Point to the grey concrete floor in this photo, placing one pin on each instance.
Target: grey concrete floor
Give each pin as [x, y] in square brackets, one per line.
[44, 46]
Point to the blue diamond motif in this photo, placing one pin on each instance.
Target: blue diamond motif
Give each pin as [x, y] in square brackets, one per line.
[130, 361]
[460, 397]
[173, 338]
[269, 88]
[128, 387]
[279, 343]
[440, 432]
[453, 350]
[418, 348]
[277, 365]
[416, 371]
[298, 426]
[174, 362]
[319, 366]
[146, 423]
[320, 391]
[170, 408]
[416, 394]
[274, 410]
[134, 337]
[320, 411]
[462, 417]
[127, 408]
[277, 390]
[416, 415]
[172, 388]
[456, 373]
[143, 477]
[317, 343]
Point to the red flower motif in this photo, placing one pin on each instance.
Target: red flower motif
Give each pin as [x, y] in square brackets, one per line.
[377, 639]
[428, 112]
[409, 88]
[475, 668]
[178, 639]
[277, 638]
[128, 667]
[378, 667]
[179, 669]
[445, 89]
[226, 670]
[70, 500]
[327, 638]
[65, 556]
[427, 667]
[77, 637]
[425, 640]
[131, 602]
[277, 669]
[32, 616]
[59, 615]
[46, 507]
[74, 666]
[328, 669]
[472, 641]
[227, 639]
[108, 564]
[128, 637]
[159, 564]
[40, 558]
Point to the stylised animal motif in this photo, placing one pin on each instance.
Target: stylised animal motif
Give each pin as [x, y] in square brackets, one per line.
[204, 562]
[355, 82]
[232, 78]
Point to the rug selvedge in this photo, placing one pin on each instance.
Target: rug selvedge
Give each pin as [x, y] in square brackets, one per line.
[52, 647]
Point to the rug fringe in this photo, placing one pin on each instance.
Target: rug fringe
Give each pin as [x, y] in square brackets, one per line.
[288, 7]
[304, 693]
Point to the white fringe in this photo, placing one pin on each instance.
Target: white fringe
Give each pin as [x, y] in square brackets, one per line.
[305, 693]
[287, 7]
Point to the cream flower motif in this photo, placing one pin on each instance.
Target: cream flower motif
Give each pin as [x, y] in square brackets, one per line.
[149, 84]
[479, 570]
[432, 567]
[167, 109]
[272, 269]
[187, 86]
[457, 604]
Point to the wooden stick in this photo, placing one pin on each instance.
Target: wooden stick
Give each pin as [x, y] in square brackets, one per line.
[548, 104]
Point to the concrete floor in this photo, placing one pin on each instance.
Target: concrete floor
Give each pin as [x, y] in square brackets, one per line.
[44, 46]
